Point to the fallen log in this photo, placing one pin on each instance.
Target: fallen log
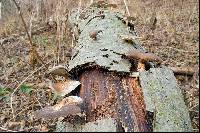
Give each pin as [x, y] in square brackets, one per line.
[152, 102]
[107, 89]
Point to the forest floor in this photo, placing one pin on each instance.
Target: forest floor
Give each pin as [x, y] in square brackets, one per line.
[174, 37]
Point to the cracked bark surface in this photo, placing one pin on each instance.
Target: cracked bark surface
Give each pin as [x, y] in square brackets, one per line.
[107, 88]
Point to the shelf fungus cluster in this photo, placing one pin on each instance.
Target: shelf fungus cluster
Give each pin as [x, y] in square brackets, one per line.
[69, 105]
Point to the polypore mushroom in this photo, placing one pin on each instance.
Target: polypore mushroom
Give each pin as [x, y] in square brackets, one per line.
[142, 58]
[65, 87]
[59, 70]
[68, 106]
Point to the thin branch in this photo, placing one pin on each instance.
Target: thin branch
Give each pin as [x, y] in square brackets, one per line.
[23, 21]
[183, 70]
[79, 8]
[29, 36]
[125, 3]
[58, 16]
[30, 22]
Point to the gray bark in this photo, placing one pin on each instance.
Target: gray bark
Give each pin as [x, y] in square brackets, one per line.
[163, 97]
[107, 50]
[161, 92]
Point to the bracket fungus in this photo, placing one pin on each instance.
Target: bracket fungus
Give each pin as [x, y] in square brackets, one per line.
[68, 106]
[142, 58]
[129, 38]
[59, 70]
[65, 87]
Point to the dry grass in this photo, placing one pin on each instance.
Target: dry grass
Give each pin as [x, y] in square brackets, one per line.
[174, 37]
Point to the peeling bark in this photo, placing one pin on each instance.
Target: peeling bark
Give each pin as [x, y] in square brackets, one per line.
[106, 94]
[107, 88]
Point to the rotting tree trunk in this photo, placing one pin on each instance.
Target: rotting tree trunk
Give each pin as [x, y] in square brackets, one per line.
[107, 87]
[107, 94]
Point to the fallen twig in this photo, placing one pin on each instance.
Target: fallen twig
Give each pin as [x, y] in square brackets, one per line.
[183, 70]
[127, 8]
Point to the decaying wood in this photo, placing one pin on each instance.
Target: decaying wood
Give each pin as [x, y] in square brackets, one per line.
[163, 97]
[107, 87]
[143, 57]
[183, 70]
[107, 47]
[106, 94]
[52, 112]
